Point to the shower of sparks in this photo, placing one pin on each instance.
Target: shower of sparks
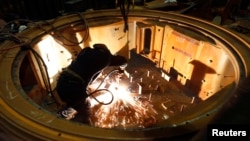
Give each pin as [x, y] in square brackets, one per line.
[128, 108]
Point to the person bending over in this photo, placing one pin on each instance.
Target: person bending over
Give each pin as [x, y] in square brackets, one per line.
[73, 81]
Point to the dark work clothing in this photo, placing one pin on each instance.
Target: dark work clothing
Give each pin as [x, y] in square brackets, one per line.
[70, 89]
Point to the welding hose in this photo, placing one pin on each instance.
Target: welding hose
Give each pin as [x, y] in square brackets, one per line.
[98, 90]
[112, 96]
[124, 12]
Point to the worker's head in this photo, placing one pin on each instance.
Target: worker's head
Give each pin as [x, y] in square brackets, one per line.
[92, 60]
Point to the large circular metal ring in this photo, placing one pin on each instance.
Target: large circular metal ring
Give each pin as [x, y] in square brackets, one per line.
[25, 120]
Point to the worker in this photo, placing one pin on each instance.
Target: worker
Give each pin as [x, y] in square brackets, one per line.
[73, 81]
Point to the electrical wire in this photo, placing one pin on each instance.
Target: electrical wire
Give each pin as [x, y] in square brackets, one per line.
[84, 38]
[42, 64]
[55, 30]
[44, 72]
[26, 46]
[14, 22]
[98, 90]
[16, 39]
[112, 96]
[124, 12]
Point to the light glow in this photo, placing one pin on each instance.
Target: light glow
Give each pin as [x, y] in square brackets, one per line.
[54, 55]
[126, 110]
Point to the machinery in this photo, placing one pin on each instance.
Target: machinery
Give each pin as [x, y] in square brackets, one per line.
[181, 72]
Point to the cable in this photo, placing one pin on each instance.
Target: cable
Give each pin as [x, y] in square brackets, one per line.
[16, 39]
[40, 61]
[124, 12]
[14, 22]
[25, 46]
[54, 29]
[97, 88]
[61, 35]
[84, 38]
[112, 96]
[44, 72]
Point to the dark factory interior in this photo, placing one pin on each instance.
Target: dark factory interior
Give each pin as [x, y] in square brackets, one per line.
[193, 74]
[223, 12]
